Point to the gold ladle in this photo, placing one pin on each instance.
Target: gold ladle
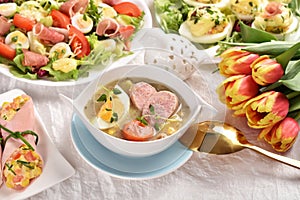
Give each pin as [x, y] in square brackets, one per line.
[221, 138]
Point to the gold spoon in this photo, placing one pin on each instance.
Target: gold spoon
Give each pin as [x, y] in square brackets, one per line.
[221, 138]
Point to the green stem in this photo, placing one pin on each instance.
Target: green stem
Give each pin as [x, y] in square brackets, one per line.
[292, 94]
[286, 56]
[297, 117]
[271, 87]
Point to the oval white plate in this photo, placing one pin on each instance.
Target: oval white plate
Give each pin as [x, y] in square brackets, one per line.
[93, 73]
[124, 167]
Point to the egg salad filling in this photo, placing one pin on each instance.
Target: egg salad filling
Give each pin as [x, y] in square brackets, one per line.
[9, 109]
[245, 9]
[22, 167]
[206, 20]
[276, 18]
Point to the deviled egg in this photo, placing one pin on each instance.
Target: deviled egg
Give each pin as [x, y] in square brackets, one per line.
[17, 39]
[245, 9]
[206, 25]
[277, 19]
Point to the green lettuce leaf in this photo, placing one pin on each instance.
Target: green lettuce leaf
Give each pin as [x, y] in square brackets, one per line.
[58, 75]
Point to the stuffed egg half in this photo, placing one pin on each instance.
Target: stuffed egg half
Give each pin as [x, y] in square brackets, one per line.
[206, 25]
[245, 9]
[277, 19]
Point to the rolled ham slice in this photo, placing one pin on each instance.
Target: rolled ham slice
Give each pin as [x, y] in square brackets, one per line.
[4, 25]
[72, 7]
[33, 59]
[108, 27]
[47, 35]
[3, 123]
[20, 165]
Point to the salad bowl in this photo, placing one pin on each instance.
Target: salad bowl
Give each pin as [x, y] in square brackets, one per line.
[145, 72]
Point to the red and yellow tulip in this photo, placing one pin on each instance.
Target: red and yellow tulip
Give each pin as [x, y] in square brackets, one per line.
[236, 61]
[282, 135]
[236, 90]
[266, 109]
[266, 71]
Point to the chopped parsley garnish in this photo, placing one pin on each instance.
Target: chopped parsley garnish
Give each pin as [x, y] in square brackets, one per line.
[9, 167]
[114, 118]
[103, 97]
[116, 91]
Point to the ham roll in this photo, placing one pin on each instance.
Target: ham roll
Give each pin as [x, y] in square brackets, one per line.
[21, 163]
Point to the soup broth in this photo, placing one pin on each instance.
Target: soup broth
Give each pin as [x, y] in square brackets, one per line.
[125, 115]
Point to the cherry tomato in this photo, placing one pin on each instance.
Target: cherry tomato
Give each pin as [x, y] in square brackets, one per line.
[7, 52]
[60, 19]
[23, 22]
[79, 44]
[128, 8]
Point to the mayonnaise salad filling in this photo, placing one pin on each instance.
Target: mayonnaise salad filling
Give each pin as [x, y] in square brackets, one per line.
[276, 18]
[245, 9]
[205, 25]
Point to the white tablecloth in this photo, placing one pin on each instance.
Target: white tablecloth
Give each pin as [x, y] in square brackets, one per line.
[242, 175]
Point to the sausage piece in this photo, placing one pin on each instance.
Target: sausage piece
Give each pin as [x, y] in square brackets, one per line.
[139, 93]
[161, 105]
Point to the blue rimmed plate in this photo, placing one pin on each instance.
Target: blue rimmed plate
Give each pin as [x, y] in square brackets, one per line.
[120, 166]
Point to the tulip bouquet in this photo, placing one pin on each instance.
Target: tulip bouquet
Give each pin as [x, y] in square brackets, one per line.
[266, 90]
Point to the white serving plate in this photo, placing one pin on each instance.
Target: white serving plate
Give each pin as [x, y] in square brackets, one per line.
[56, 168]
[93, 73]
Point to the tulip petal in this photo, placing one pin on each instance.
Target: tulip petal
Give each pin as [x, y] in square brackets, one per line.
[266, 109]
[236, 62]
[282, 135]
[266, 71]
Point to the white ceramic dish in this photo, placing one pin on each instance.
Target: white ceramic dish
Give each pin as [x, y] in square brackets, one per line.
[125, 167]
[93, 73]
[54, 162]
[156, 74]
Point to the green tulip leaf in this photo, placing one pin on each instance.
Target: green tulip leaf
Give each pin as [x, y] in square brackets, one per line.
[288, 78]
[250, 34]
[295, 7]
[293, 84]
[286, 56]
[294, 104]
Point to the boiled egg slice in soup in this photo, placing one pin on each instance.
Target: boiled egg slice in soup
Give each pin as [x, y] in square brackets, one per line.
[82, 22]
[114, 110]
[8, 9]
[17, 39]
[206, 25]
[61, 50]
